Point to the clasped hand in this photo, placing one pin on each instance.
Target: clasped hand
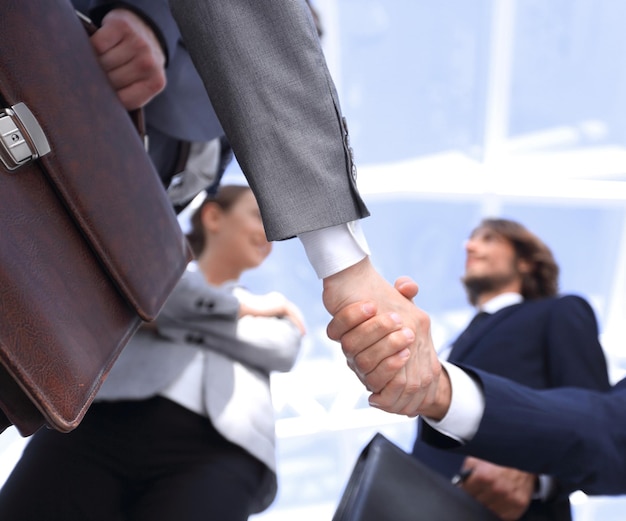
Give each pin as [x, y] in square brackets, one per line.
[386, 339]
[131, 56]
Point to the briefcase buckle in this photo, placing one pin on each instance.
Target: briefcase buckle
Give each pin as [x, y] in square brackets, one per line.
[22, 139]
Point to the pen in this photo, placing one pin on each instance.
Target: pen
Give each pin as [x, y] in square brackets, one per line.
[461, 476]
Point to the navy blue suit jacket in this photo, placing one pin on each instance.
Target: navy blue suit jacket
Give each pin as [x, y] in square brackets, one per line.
[576, 435]
[543, 344]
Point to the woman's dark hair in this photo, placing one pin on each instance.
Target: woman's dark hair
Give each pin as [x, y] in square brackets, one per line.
[541, 280]
[225, 197]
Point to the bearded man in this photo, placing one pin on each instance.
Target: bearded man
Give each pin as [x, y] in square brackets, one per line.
[523, 331]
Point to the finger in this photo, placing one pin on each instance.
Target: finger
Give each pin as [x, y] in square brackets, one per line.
[297, 319]
[369, 360]
[107, 37]
[374, 332]
[131, 55]
[407, 287]
[393, 397]
[136, 81]
[422, 373]
[408, 394]
[299, 323]
[377, 380]
[139, 93]
[470, 462]
[349, 317]
[122, 55]
[145, 54]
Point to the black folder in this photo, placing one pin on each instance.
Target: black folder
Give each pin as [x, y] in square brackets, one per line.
[387, 484]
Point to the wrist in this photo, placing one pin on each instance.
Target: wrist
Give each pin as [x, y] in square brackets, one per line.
[336, 287]
[438, 408]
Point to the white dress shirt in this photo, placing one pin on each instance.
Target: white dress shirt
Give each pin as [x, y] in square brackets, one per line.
[331, 250]
[467, 404]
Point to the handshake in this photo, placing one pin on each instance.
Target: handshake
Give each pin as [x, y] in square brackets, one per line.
[387, 341]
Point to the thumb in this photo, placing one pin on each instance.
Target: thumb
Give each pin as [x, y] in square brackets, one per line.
[407, 287]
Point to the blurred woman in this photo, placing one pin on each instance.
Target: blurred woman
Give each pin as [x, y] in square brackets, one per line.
[183, 428]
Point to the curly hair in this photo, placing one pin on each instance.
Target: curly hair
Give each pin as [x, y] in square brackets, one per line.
[541, 280]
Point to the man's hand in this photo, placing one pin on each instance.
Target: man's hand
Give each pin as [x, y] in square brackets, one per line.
[385, 337]
[505, 491]
[132, 57]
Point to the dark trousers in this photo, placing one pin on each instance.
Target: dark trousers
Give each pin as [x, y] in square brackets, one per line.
[132, 461]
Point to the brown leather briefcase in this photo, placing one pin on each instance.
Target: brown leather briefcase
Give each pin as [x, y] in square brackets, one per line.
[89, 244]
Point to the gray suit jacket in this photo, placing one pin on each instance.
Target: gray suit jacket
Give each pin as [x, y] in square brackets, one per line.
[263, 67]
[149, 363]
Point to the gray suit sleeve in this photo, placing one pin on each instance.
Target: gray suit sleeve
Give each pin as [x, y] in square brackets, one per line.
[195, 310]
[263, 68]
[197, 314]
[274, 347]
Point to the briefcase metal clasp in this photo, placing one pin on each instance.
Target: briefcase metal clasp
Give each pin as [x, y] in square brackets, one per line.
[22, 139]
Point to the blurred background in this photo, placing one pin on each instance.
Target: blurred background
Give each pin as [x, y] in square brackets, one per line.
[457, 110]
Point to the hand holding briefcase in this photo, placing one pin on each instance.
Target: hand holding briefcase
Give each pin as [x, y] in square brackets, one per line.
[90, 246]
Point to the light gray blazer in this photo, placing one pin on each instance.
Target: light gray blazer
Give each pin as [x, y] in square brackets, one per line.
[263, 68]
[193, 313]
[236, 386]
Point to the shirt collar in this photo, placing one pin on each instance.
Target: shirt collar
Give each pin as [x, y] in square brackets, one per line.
[501, 301]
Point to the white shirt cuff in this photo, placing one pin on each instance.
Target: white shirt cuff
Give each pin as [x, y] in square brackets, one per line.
[546, 487]
[466, 406]
[331, 250]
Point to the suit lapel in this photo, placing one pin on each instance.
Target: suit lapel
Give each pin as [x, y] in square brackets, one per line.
[465, 342]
